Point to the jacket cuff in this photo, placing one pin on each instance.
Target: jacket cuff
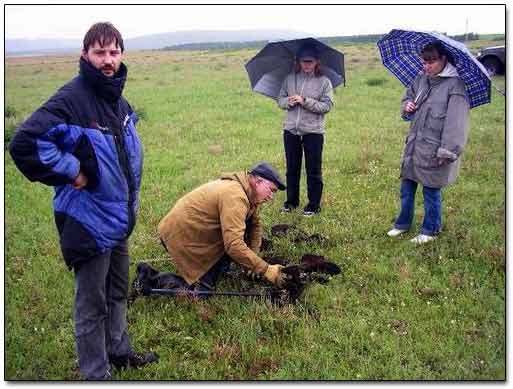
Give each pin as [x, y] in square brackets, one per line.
[307, 102]
[261, 267]
[70, 166]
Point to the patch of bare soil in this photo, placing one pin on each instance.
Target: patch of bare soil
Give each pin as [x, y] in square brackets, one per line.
[294, 234]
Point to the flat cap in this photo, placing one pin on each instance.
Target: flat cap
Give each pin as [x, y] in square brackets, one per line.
[265, 170]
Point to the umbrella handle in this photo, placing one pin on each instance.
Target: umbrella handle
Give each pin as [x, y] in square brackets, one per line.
[498, 90]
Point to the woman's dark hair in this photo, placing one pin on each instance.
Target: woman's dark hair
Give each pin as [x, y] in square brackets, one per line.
[104, 33]
[434, 50]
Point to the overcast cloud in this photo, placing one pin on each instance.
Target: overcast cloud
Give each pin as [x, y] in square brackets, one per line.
[72, 21]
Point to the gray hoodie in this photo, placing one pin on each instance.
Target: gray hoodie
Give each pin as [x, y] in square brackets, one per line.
[318, 95]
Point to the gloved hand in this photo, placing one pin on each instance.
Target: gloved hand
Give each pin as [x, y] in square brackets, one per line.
[275, 275]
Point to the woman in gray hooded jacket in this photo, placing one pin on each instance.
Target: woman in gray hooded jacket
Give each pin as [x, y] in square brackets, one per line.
[307, 96]
[437, 105]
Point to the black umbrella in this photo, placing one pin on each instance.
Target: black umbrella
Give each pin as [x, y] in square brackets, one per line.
[276, 60]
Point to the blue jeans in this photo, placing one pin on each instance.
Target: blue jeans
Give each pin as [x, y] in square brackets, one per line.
[432, 208]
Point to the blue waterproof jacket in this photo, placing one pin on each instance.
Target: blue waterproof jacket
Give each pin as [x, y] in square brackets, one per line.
[86, 126]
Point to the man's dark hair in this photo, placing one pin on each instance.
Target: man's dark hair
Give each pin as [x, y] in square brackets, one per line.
[104, 33]
[434, 50]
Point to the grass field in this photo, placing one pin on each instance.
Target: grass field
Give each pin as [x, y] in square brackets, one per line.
[397, 312]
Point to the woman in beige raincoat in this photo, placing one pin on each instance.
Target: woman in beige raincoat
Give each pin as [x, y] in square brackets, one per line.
[437, 105]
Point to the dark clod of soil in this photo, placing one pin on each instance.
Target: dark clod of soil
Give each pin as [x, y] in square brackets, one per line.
[314, 238]
[318, 264]
[300, 236]
[280, 229]
[266, 245]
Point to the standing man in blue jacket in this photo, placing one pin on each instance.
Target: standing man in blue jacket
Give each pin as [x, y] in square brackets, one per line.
[84, 143]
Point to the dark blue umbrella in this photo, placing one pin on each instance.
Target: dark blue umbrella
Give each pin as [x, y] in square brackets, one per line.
[270, 66]
[400, 54]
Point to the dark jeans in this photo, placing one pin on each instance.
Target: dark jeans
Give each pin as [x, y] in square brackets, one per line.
[432, 208]
[208, 281]
[210, 278]
[101, 288]
[312, 145]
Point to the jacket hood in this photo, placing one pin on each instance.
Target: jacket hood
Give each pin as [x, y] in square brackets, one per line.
[448, 71]
[110, 88]
[243, 179]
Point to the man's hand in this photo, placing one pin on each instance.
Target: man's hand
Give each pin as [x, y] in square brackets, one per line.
[80, 182]
[275, 275]
[410, 106]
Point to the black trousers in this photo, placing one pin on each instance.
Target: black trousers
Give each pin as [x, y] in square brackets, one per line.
[312, 145]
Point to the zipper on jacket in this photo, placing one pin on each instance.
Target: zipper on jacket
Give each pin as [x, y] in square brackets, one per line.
[125, 167]
[299, 107]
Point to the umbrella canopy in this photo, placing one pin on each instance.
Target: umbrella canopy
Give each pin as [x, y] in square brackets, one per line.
[270, 66]
[400, 54]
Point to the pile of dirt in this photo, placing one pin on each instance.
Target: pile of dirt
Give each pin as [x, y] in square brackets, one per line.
[294, 234]
[311, 269]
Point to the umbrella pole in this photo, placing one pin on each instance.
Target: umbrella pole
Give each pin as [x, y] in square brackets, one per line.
[498, 90]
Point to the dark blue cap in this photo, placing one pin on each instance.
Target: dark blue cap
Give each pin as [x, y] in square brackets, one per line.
[308, 52]
[264, 170]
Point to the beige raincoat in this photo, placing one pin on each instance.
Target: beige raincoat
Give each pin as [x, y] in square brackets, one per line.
[438, 131]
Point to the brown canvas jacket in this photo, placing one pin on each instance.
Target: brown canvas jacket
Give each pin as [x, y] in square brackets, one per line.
[213, 220]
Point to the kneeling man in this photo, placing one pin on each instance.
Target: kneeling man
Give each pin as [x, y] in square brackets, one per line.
[219, 222]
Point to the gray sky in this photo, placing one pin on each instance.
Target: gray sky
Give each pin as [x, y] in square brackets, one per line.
[72, 21]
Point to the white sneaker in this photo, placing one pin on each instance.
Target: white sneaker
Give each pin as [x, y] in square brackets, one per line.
[421, 239]
[395, 232]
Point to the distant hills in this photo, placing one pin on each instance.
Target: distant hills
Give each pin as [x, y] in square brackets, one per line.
[153, 41]
[198, 40]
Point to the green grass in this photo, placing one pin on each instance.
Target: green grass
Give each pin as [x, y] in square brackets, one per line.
[397, 312]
